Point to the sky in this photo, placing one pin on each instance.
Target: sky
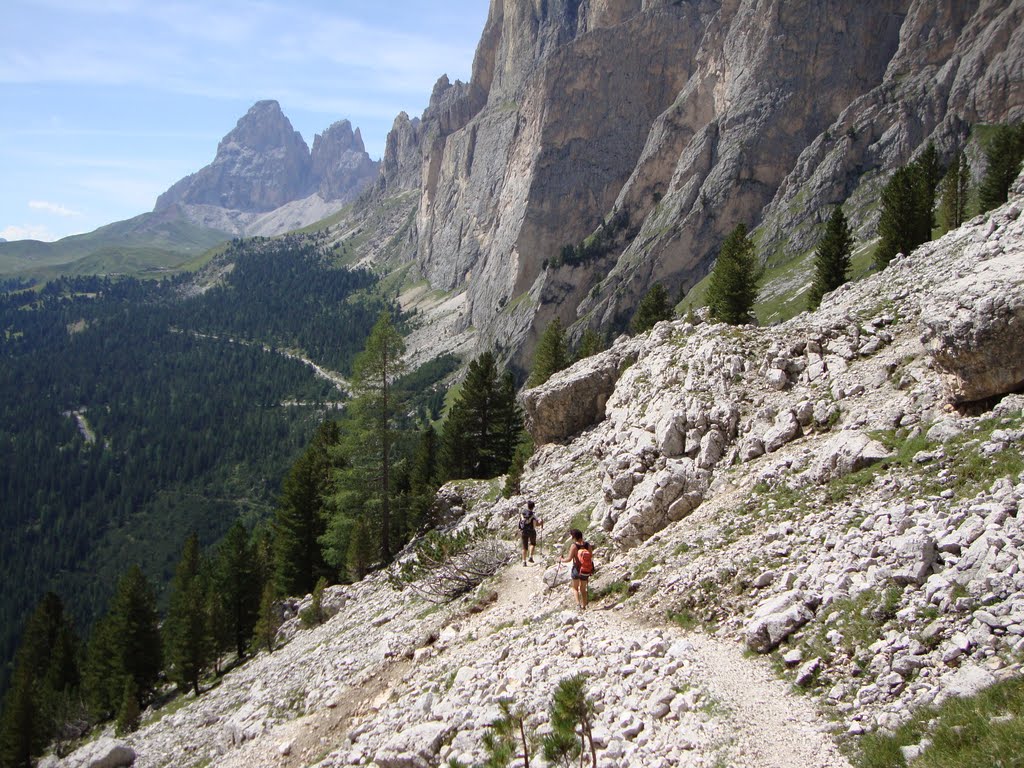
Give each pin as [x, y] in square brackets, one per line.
[106, 103]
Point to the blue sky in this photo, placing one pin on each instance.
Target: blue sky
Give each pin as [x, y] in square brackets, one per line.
[106, 103]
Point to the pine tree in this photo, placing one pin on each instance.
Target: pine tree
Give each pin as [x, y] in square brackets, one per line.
[956, 186]
[906, 218]
[831, 258]
[483, 423]
[44, 684]
[269, 621]
[313, 614]
[423, 478]
[523, 452]
[300, 519]
[125, 644]
[931, 174]
[372, 438]
[1003, 163]
[22, 734]
[590, 344]
[508, 737]
[129, 714]
[571, 717]
[732, 287]
[551, 355]
[236, 581]
[652, 309]
[359, 555]
[185, 631]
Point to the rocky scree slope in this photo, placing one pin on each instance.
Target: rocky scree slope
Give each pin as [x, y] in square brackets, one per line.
[839, 489]
[677, 121]
[813, 490]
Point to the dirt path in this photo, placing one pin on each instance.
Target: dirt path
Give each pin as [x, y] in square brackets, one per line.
[770, 726]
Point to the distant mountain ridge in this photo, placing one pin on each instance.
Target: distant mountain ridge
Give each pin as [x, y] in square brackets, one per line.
[264, 165]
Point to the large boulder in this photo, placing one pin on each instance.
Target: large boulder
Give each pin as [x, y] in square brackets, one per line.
[574, 399]
[847, 452]
[974, 325]
[778, 618]
[105, 752]
[415, 747]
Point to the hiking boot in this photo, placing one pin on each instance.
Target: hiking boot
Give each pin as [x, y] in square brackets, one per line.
[531, 559]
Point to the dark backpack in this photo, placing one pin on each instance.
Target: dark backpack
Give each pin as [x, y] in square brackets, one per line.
[527, 519]
[585, 559]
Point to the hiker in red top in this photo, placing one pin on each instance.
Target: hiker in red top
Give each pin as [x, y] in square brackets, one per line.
[582, 559]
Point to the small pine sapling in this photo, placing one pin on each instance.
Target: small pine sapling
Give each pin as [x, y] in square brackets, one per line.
[313, 615]
[571, 717]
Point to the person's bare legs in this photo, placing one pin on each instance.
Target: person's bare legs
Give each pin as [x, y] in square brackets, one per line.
[583, 593]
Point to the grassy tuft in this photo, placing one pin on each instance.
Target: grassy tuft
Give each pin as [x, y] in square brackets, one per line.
[984, 730]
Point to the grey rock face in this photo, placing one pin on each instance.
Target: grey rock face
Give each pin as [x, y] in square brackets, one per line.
[264, 164]
[260, 165]
[683, 119]
[340, 162]
[574, 399]
[105, 752]
[974, 325]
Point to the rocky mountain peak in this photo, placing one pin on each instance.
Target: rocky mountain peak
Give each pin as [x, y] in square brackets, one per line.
[264, 128]
[340, 162]
[263, 164]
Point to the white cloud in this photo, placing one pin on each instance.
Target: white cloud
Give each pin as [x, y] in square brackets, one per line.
[30, 232]
[54, 208]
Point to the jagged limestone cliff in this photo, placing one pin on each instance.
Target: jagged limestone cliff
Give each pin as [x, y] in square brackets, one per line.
[685, 119]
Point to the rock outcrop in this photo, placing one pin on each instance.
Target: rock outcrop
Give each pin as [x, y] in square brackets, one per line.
[647, 131]
[974, 323]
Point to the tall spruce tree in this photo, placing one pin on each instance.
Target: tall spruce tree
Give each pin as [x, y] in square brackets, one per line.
[372, 438]
[300, 519]
[483, 424]
[590, 344]
[930, 168]
[125, 644]
[732, 287]
[831, 258]
[186, 639]
[44, 685]
[268, 622]
[551, 355]
[1003, 157]
[236, 580]
[652, 309]
[906, 218]
[424, 478]
[955, 190]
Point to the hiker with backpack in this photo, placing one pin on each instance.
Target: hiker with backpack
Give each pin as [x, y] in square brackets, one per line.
[582, 558]
[528, 525]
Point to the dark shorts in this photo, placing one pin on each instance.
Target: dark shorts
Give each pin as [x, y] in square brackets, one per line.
[577, 575]
[529, 536]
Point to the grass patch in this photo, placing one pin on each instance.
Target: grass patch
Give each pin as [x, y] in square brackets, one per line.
[860, 620]
[984, 730]
[581, 520]
[618, 589]
[644, 567]
[684, 618]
